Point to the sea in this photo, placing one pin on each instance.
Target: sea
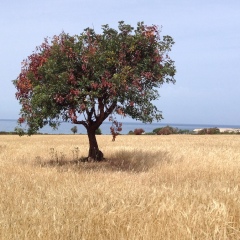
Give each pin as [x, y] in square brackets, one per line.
[8, 125]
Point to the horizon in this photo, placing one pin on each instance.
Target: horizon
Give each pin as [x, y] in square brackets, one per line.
[141, 123]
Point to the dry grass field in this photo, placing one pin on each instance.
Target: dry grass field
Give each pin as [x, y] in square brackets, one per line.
[149, 187]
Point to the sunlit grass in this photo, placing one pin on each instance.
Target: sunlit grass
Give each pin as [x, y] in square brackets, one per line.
[149, 187]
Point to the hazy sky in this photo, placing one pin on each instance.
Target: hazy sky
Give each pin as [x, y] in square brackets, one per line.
[206, 50]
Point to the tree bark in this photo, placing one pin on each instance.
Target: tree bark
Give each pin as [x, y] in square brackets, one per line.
[94, 153]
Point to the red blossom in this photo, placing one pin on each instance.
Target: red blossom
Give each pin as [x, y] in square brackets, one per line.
[120, 111]
[72, 79]
[84, 67]
[82, 107]
[21, 120]
[74, 92]
[116, 127]
[59, 99]
[72, 115]
[147, 75]
[94, 85]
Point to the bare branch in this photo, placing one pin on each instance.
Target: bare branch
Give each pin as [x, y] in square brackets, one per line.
[84, 123]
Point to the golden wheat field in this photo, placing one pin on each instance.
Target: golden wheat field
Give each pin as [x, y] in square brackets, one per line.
[149, 187]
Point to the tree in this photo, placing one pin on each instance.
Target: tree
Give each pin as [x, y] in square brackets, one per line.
[74, 129]
[89, 77]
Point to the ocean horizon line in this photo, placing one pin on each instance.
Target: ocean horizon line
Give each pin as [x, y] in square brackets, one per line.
[153, 123]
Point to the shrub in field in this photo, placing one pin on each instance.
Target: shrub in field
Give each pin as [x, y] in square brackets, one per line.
[231, 132]
[209, 131]
[138, 131]
[150, 133]
[202, 131]
[156, 130]
[167, 131]
[19, 131]
[131, 133]
[183, 131]
[171, 130]
[74, 129]
[98, 131]
[213, 131]
[8, 133]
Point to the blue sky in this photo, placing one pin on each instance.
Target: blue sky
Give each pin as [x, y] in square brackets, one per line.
[206, 50]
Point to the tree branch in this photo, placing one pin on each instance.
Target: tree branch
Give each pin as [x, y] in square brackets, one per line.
[81, 122]
[94, 113]
[84, 116]
[110, 110]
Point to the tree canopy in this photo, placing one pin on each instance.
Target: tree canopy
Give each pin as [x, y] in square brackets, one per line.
[88, 77]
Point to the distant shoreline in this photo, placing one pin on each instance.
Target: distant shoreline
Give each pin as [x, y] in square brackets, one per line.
[65, 127]
[222, 130]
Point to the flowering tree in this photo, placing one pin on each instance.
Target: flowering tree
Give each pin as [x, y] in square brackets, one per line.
[87, 78]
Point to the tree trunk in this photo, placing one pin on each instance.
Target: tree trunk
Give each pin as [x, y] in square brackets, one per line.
[94, 153]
